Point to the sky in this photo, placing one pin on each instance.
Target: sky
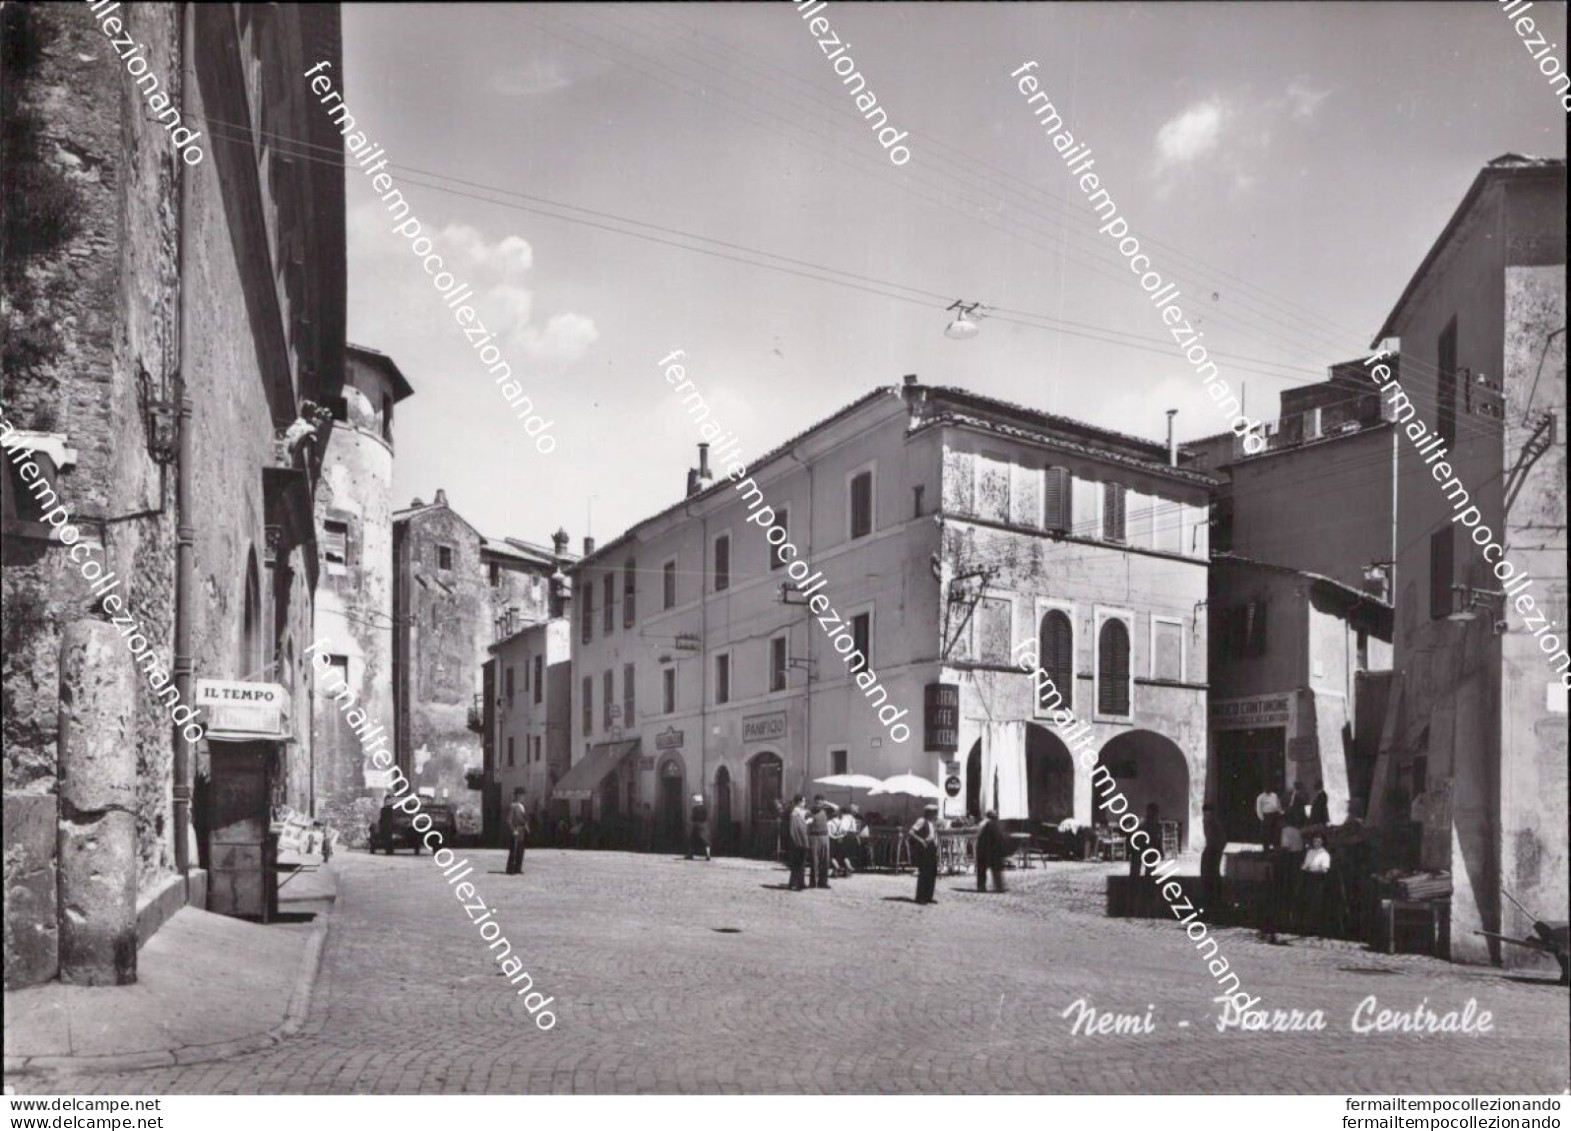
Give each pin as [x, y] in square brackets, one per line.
[1287, 164]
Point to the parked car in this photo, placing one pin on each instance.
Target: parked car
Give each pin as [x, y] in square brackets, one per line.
[395, 828]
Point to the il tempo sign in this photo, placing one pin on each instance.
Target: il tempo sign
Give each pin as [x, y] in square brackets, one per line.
[238, 709]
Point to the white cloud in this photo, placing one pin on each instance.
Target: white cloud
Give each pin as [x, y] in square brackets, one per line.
[396, 300]
[533, 77]
[566, 337]
[1192, 134]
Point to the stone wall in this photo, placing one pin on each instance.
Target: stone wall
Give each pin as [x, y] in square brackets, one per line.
[95, 310]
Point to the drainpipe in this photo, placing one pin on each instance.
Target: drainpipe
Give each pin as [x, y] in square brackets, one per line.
[185, 532]
[1172, 451]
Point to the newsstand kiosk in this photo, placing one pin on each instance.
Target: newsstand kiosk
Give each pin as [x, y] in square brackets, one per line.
[247, 732]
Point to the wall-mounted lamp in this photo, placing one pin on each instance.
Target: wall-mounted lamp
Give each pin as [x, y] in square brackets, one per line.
[160, 417]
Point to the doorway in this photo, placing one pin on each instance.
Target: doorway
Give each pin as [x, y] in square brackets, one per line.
[669, 820]
[1247, 760]
[722, 816]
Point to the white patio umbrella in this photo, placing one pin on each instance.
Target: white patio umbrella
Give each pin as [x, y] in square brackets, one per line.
[848, 782]
[912, 785]
[908, 785]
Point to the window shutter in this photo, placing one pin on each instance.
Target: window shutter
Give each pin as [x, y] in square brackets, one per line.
[1058, 656]
[1057, 493]
[1113, 512]
[1441, 571]
[1112, 690]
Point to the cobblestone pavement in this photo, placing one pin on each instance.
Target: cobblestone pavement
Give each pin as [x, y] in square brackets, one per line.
[671, 976]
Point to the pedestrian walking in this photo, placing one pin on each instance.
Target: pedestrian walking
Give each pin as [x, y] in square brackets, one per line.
[992, 849]
[518, 825]
[925, 835]
[1211, 859]
[698, 832]
[796, 845]
[818, 842]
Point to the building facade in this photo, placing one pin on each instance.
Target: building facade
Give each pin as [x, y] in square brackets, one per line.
[1321, 495]
[1289, 652]
[171, 325]
[1475, 755]
[452, 587]
[946, 528]
[534, 707]
[354, 595]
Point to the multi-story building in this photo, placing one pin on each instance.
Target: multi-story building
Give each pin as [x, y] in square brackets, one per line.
[354, 594]
[946, 527]
[452, 587]
[1476, 756]
[1321, 495]
[173, 316]
[534, 703]
[1289, 654]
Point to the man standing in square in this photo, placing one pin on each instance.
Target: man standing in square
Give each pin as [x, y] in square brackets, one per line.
[518, 825]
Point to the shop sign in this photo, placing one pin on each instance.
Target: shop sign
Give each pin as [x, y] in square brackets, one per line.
[952, 786]
[646, 762]
[1260, 711]
[239, 709]
[764, 728]
[669, 739]
[941, 717]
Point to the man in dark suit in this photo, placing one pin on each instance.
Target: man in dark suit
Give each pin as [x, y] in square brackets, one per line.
[796, 842]
[992, 849]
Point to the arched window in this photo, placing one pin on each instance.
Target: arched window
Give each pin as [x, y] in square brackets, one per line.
[1056, 652]
[1112, 676]
[1058, 499]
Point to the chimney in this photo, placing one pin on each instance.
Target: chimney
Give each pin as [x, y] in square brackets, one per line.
[1172, 448]
[912, 394]
[589, 545]
[699, 478]
[559, 542]
[417, 501]
[441, 498]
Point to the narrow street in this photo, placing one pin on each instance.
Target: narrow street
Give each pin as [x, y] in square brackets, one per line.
[678, 977]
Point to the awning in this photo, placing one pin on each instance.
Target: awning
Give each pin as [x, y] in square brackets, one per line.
[581, 781]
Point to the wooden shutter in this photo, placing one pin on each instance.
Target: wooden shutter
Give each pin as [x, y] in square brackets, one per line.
[1057, 496]
[1113, 512]
[1112, 683]
[1058, 656]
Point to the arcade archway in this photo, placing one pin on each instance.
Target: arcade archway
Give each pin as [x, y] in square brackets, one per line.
[1148, 767]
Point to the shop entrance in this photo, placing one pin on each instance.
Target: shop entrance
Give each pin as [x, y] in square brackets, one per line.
[669, 820]
[1247, 760]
